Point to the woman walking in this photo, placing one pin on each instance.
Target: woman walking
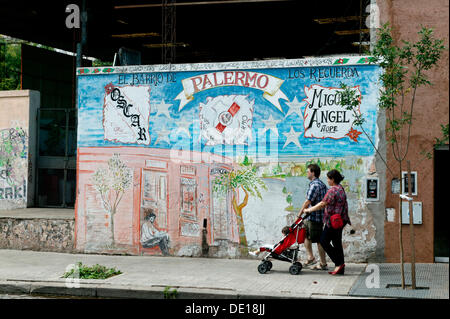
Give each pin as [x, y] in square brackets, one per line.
[335, 218]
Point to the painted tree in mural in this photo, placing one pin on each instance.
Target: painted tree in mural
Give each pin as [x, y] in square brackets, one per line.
[244, 178]
[404, 71]
[111, 183]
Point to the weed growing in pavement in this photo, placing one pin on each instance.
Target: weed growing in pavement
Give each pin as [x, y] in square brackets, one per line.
[92, 272]
[170, 294]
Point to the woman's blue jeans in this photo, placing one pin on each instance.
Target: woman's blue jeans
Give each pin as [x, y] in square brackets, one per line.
[331, 241]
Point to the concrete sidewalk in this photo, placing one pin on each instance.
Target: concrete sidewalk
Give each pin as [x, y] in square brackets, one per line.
[31, 272]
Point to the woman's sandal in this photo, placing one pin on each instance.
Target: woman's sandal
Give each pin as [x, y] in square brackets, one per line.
[310, 262]
[320, 267]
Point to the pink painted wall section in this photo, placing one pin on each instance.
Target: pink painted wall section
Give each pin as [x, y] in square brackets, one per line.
[157, 183]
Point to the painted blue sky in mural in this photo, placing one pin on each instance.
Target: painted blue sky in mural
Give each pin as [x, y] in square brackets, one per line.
[273, 112]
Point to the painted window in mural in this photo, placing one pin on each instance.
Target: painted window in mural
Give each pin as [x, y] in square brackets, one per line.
[219, 210]
[221, 218]
[154, 190]
[188, 198]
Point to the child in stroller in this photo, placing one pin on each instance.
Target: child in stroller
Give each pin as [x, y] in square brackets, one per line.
[267, 247]
[286, 250]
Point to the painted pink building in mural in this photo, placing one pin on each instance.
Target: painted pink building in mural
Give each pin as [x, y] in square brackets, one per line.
[176, 191]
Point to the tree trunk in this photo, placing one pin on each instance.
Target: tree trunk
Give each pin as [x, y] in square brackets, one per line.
[113, 212]
[240, 220]
[400, 235]
[411, 229]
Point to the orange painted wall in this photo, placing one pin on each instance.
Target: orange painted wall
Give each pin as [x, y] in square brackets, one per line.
[431, 110]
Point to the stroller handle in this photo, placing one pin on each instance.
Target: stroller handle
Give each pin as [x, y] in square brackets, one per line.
[297, 222]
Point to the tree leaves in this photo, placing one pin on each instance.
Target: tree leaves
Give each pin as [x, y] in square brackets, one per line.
[112, 182]
[246, 177]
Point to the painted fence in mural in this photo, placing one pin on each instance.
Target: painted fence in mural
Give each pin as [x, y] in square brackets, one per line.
[154, 140]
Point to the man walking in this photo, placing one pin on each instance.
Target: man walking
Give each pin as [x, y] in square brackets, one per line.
[314, 221]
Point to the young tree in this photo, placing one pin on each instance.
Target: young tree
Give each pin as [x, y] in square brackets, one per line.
[246, 179]
[111, 183]
[404, 71]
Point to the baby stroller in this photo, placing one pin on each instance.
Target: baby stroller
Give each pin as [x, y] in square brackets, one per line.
[286, 250]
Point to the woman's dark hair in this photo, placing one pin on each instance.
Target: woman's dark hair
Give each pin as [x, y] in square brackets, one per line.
[335, 176]
[148, 213]
[314, 168]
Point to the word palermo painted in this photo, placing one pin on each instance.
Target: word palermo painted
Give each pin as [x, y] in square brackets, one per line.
[269, 84]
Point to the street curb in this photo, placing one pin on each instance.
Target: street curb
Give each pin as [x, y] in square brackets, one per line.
[88, 290]
[15, 288]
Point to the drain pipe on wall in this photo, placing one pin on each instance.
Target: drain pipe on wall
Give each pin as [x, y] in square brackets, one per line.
[205, 246]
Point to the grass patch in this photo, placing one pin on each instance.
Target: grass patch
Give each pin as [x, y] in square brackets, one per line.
[91, 272]
[170, 293]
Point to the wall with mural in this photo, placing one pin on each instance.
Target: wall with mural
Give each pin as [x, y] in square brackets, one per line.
[18, 111]
[155, 143]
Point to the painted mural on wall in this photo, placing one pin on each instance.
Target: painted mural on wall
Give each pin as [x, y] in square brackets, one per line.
[111, 182]
[13, 160]
[179, 131]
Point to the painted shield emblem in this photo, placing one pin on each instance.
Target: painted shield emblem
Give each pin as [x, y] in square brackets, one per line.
[226, 119]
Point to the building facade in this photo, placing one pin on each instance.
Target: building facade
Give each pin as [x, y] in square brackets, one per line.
[431, 111]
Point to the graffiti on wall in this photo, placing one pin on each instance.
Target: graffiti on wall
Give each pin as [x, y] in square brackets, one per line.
[13, 157]
[264, 121]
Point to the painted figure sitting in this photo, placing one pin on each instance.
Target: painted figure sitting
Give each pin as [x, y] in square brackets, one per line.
[151, 237]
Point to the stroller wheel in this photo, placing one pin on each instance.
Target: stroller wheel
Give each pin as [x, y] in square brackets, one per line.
[295, 269]
[263, 267]
[269, 265]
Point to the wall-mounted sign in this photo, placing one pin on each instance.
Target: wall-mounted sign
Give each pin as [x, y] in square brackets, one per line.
[395, 186]
[413, 183]
[372, 189]
[417, 213]
[390, 214]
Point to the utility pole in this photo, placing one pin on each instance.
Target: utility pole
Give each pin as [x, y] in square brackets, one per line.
[168, 10]
[83, 35]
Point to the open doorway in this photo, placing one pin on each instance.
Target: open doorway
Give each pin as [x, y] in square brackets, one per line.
[441, 218]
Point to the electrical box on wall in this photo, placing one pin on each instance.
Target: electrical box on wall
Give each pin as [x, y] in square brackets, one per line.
[372, 189]
[417, 213]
